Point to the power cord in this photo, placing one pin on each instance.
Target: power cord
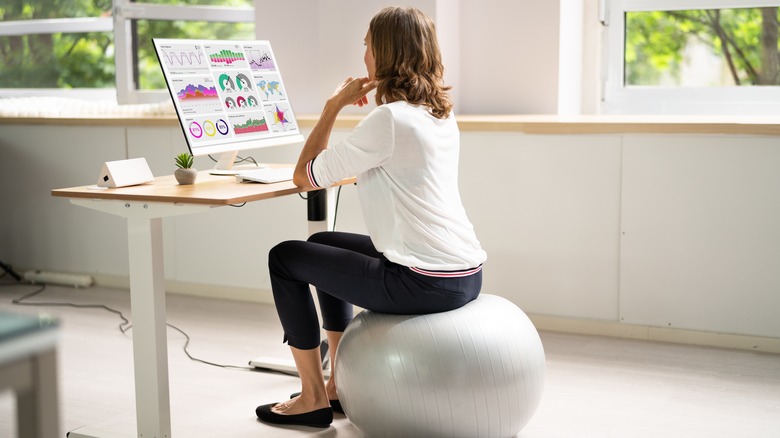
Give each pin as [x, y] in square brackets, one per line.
[311, 195]
[123, 327]
[336, 209]
[238, 160]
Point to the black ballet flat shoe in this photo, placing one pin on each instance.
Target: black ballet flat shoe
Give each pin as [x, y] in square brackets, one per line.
[319, 418]
[335, 404]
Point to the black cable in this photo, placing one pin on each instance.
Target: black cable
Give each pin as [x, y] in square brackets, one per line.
[238, 160]
[336, 210]
[187, 343]
[8, 269]
[123, 327]
[316, 193]
[242, 159]
[310, 195]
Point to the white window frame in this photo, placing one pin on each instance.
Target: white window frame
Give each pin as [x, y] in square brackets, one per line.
[619, 99]
[124, 12]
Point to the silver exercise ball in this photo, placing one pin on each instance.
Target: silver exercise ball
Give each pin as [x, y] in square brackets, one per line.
[477, 371]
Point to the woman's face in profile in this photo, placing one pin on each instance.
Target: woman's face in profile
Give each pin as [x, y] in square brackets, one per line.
[368, 58]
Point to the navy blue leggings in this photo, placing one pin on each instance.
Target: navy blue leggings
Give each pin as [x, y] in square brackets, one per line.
[346, 269]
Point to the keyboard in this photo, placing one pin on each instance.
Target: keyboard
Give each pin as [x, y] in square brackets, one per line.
[266, 175]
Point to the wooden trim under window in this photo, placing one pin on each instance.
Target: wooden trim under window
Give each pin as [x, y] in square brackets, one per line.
[527, 124]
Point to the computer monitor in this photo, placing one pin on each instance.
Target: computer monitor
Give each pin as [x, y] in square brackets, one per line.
[229, 96]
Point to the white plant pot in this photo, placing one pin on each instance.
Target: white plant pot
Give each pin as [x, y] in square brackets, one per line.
[186, 176]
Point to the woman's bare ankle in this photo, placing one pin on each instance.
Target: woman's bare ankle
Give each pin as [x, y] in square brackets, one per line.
[302, 404]
[331, 391]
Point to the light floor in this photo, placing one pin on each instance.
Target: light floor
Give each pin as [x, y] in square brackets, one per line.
[595, 387]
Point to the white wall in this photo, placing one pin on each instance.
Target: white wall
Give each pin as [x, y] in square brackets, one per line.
[700, 242]
[321, 43]
[41, 232]
[547, 211]
[501, 56]
[509, 57]
[699, 213]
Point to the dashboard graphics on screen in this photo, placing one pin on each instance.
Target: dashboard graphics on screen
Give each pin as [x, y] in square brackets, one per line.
[229, 95]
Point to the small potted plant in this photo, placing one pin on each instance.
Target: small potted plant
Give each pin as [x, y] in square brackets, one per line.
[184, 173]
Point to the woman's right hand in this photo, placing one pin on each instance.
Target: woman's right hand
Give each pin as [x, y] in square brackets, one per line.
[353, 91]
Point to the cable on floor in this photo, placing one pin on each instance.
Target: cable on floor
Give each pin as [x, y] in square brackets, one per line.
[123, 327]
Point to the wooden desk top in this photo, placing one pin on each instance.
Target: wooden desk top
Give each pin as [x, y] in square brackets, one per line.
[208, 189]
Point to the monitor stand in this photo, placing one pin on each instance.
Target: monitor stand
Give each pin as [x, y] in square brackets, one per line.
[224, 165]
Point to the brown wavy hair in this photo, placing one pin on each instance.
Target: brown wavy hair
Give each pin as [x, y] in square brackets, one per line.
[408, 60]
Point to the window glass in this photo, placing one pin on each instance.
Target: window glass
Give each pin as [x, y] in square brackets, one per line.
[149, 72]
[234, 3]
[42, 9]
[86, 59]
[702, 48]
[70, 60]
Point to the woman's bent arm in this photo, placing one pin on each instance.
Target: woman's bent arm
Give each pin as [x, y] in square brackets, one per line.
[351, 91]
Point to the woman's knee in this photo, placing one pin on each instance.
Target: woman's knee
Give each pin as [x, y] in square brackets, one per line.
[350, 241]
[319, 237]
[281, 252]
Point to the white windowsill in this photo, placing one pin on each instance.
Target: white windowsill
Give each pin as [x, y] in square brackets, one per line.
[61, 111]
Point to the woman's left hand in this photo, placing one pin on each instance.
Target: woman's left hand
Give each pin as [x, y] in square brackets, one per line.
[353, 91]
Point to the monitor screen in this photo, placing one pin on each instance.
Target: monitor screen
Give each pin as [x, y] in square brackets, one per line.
[229, 95]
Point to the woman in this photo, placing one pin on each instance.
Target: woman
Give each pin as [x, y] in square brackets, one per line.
[422, 255]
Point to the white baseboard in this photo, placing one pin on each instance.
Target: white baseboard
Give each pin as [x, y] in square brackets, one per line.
[195, 289]
[656, 334]
[542, 322]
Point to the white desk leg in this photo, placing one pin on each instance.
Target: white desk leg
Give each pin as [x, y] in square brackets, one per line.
[150, 348]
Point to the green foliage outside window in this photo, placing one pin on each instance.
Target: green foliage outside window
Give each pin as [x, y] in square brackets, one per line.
[86, 60]
[37, 9]
[746, 39]
[56, 60]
